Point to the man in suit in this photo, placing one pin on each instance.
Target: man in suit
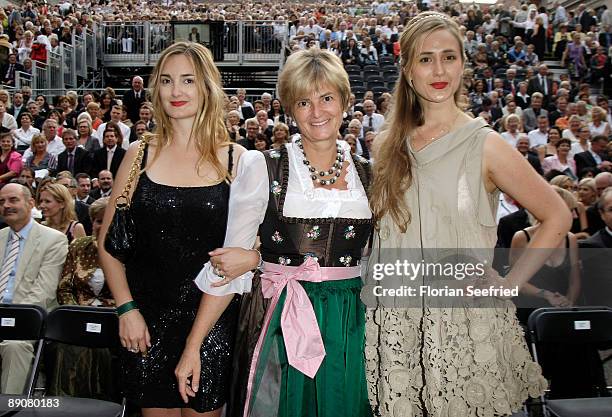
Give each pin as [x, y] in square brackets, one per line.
[541, 83]
[603, 180]
[105, 185]
[32, 259]
[530, 114]
[83, 188]
[133, 99]
[511, 83]
[17, 107]
[586, 19]
[523, 145]
[74, 158]
[110, 156]
[489, 81]
[596, 157]
[146, 115]
[596, 259]
[8, 72]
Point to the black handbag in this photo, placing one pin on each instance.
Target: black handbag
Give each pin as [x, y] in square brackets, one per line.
[120, 240]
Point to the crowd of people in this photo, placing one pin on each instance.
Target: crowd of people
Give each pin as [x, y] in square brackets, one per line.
[544, 141]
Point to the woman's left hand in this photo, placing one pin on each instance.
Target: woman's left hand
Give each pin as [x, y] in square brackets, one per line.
[230, 263]
[188, 367]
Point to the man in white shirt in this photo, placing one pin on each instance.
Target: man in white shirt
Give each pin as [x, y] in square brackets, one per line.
[55, 144]
[340, 35]
[560, 15]
[539, 136]
[116, 113]
[312, 27]
[371, 120]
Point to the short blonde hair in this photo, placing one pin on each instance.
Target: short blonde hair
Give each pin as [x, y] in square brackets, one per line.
[306, 71]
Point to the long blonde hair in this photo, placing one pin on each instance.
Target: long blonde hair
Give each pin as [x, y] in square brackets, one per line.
[393, 167]
[208, 131]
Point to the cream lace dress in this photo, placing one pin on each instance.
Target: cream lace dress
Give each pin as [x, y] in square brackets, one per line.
[447, 361]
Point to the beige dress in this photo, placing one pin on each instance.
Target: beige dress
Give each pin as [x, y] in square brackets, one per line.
[451, 361]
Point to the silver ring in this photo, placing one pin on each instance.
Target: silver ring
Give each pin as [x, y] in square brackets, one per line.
[133, 350]
[218, 271]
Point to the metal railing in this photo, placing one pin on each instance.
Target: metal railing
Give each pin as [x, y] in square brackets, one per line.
[91, 56]
[234, 42]
[69, 65]
[115, 43]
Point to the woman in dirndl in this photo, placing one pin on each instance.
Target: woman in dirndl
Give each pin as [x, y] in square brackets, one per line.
[305, 355]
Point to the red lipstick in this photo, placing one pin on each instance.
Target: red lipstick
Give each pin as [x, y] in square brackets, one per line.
[178, 103]
[439, 86]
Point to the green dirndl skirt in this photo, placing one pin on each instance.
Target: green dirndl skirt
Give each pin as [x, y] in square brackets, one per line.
[339, 388]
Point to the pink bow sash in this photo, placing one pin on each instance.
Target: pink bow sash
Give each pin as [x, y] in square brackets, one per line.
[301, 334]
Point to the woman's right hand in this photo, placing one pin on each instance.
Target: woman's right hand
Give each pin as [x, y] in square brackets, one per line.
[232, 262]
[133, 332]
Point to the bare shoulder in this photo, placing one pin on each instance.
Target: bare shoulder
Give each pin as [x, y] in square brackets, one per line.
[494, 141]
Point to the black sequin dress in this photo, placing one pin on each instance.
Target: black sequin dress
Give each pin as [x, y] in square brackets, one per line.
[177, 227]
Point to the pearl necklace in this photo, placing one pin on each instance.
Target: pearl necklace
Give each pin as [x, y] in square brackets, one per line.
[316, 175]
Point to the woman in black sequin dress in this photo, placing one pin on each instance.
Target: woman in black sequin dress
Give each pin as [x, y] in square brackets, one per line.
[179, 206]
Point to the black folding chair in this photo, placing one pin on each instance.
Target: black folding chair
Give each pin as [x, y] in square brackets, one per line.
[379, 90]
[359, 91]
[376, 78]
[374, 84]
[352, 68]
[386, 60]
[374, 68]
[582, 331]
[392, 71]
[22, 322]
[93, 327]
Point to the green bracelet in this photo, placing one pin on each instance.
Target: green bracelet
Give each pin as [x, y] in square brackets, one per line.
[125, 307]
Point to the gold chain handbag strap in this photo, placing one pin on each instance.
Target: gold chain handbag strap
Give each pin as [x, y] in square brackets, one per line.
[124, 199]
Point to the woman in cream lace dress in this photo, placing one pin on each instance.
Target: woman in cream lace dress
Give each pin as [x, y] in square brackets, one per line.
[438, 173]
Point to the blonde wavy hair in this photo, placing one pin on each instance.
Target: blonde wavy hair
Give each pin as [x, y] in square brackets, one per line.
[393, 168]
[208, 131]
